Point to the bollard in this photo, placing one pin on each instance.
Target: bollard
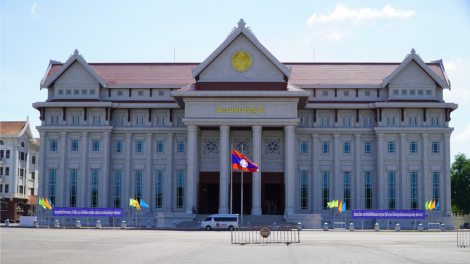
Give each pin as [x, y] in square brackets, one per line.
[325, 226]
[351, 227]
[56, 224]
[98, 224]
[420, 227]
[397, 227]
[148, 225]
[299, 226]
[78, 224]
[123, 225]
[35, 224]
[443, 227]
[173, 225]
[7, 222]
[377, 227]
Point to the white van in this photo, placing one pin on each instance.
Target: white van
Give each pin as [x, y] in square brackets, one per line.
[220, 221]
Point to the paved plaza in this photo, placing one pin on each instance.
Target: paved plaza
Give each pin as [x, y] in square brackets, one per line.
[29, 245]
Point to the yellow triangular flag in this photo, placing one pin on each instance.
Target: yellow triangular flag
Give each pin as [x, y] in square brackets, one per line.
[336, 203]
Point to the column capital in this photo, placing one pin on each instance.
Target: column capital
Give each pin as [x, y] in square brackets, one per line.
[106, 134]
[380, 134]
[169, 135]
[315, 136]
[402, 135]
[128, 135]
[289, 128]
[424, 135]
[447, 135]
[64, 133]
[149, 135]
[257, 128]
[85, 133]
[358, 136]
[336, 135]
[224, 128]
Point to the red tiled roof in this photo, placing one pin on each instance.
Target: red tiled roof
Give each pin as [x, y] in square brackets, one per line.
[38, 140]
[11, 128]
[302, 73]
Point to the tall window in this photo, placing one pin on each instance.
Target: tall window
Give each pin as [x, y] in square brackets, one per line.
[303, 147]
[304, 121]
[390, 120]
[346, 147]
[139, 146]
[325, 189]
[325, 121]
[53, 145]
[140, 120]
[434, 120]
[435, 186]
[160, 120]
[435, 147]
[413, 120]
[119, 120]
[347, 189]
[118, 146]
[180, 121]
[33, 160]
[181, 147]
[325, 147]
[75, 119]
[160, 146]
[159, 189]
[138, 185]
[52, 184]
[54, 119]
[74, 144]
[96, 119]
[180, 190]
[391, 190]
[414, 190]
[368, 182]
[73, 188]
[413, 147]
[367, 121]
[117, 189]
[368, 148]
[303, 190]
[94, 187]
[391, 147]
[346, 121]
[96, 145]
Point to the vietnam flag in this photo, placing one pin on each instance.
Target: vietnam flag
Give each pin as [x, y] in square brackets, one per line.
[240, 162]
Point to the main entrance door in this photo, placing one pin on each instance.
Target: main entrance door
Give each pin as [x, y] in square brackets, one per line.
[272, 193]
[247, 193]
[208, 193]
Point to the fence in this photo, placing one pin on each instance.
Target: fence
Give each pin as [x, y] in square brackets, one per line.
[463, 237]
[265, 235]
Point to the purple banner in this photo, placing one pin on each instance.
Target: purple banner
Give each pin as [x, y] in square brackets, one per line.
[391, 214]
[97, 212]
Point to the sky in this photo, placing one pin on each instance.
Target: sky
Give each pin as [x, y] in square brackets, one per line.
[33, 32]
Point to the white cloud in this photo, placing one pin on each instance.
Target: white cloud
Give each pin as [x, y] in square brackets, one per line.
[453, 65]
[386, 27]
[334, 34]
[462, 137]
[359, 16]
[308, 40]
[33, 10]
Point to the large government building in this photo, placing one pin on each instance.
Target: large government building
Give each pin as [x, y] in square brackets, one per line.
[375, 135]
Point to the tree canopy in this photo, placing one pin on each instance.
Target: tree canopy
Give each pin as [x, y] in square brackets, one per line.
[460, 183]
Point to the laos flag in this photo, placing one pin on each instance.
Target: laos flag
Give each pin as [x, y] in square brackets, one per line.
[240, 162]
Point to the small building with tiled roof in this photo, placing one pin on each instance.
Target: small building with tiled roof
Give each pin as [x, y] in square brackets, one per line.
[374, 135]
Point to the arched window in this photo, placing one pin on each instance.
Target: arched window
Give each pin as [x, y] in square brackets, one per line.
[1, 142]
[22, 144]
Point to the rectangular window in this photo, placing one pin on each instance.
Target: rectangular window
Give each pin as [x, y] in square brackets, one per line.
[75, 119]
[346, 121]
[160, 120]
[74, 144]
[435, 147]
[117, 189]
[52, 184]
[159, 189]
[434, 120]
[22, 156]
[180, 190]
[1, 189]
[368, 189]
[160, 146]
[7, 189]
[119, 120]
[33, 160]
[181, 147]
[435, 187]
[347, 189]
[32, 175]
[413, 147]
[367, 121]
[325, 147]
[138, 185]
[1, 154]
[96, 145]
[7, 171]
[304, 147]
[325, 121]
[413, 120]
[21, 172]
[73, 187]
[54, 119]
[7, 154]
[180, 121]
[391, 190]
[391, 147]
[303, 190]
[346, 147]
[118, 146]
[1, 170]
[304, 121]
[414, 190]
[53, 145]
[94, 187]
[140, 120]
[96, 119]
[367, 147]
[325, 189]
[139, 146]
[390, 120]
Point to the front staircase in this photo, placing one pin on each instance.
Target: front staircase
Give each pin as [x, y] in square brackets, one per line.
[254, 220]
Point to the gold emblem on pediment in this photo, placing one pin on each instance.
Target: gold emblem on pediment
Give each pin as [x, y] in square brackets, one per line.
[241, 60]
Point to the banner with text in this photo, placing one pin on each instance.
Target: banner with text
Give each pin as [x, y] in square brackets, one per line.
[97, 212]
[391, 214]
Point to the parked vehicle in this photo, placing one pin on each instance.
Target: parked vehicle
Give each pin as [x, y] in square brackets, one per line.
[3, 220]
[465, 226]
[220, 221]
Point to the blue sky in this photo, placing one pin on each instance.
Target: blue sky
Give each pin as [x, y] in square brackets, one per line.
[32, 32]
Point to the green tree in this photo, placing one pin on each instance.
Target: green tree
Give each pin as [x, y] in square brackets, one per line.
[460, 183]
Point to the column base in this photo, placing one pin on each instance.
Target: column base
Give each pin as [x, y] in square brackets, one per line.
[256, 211]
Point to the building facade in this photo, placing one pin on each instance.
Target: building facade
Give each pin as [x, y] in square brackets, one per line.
[19, 168]
[375, 135]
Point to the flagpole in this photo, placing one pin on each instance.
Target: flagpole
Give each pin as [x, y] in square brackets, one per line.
[242, 191]
[231, 181]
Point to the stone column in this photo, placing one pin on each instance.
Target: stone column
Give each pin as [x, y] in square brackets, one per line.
[381, 192]
[445, 179]
[257, 175]
[42, 188]
[359, 190]
[14, 170]
[191, 169]
[147, 181]
[426, 177]
[104, 182]
[168, 177]
[82, 181]
[337, 177]
[126, 176]
[289, 168]
[224, 176]
[27, 174]
[316, 175]
[403, 190]
[61, 176]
